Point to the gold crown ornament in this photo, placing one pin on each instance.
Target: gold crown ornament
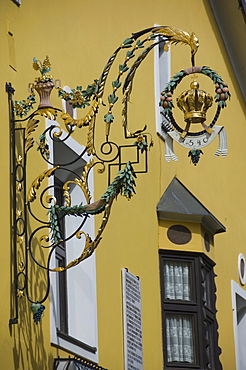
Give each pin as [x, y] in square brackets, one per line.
[194, 103]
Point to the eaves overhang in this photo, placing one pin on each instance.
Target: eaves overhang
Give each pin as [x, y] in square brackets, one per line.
[179, 204]
[231, 23]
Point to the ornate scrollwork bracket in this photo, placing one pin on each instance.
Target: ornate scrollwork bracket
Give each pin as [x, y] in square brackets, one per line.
[34, 200]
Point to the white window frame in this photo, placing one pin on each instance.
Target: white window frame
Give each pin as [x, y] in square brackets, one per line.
[68, 89]
[162, 73]
[55, 339]
[236, 290]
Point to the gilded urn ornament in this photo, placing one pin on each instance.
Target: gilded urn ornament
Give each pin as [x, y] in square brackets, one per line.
[44, 90]
[43, 84]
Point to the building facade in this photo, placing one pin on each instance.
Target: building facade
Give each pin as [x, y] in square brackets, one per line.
[165, 287]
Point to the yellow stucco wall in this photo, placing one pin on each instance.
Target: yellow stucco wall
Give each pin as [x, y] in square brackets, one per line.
[79, 36]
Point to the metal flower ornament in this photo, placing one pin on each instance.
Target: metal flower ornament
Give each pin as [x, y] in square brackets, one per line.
[35, 201]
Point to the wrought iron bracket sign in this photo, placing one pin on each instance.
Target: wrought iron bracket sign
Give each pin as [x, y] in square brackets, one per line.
[38, 213]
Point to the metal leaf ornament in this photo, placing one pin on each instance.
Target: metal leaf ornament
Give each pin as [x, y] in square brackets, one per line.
[176, 36]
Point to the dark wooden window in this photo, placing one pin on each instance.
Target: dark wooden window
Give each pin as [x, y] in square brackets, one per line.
[188, 311]
[61, 262]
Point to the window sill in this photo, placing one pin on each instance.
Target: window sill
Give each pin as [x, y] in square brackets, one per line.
[75, 341]
[182, 366]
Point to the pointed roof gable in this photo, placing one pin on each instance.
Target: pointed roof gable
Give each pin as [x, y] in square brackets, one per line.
[177, 203]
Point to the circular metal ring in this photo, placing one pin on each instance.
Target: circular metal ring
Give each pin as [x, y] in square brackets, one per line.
[18, 230]
[173, 83]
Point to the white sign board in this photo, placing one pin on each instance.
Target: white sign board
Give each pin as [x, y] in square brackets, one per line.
[132, 314]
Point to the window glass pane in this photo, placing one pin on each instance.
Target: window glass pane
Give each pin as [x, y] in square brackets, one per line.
[208, 337]
[207, 293]
[177, 280]
[180, 338]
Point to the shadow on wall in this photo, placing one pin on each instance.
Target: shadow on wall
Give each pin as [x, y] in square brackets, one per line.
[29, 349]
[28, 343]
